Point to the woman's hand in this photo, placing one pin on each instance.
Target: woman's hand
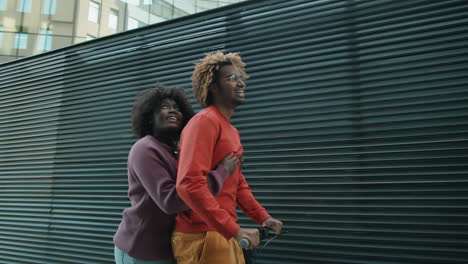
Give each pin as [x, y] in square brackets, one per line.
[230, 163]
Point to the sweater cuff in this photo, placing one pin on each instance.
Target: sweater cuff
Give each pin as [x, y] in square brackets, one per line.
[222, 171]
[230, 231]
[262, 217]
[216, 179]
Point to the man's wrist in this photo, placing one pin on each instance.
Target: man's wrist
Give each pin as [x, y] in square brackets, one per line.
[232, 232]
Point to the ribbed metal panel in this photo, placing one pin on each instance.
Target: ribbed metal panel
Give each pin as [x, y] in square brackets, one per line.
[355, 130]
[28, 138]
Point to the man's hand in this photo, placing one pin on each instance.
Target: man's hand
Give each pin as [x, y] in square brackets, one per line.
[249, 233]
[230, 162]
[277, 225]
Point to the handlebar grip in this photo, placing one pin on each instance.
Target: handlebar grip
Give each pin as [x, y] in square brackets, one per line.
[244, 243]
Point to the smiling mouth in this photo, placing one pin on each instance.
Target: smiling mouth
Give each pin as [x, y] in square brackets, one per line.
[172, 118]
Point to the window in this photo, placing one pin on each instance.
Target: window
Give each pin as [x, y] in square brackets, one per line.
[147, 2]
[48, 7]
[89, 37]
[45, 40]
[132, 23]
[24, 6]
[132, 2]
[113, 19]
[21, 41]
[1, 36]
[93, 12]
[3, 5]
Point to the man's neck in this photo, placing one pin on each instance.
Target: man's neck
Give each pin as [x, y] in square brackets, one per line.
[225, 110]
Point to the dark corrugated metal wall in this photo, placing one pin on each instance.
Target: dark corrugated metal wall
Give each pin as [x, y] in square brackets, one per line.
[355, 130]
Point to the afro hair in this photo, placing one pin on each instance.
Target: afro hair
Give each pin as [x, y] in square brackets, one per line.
[149, 101]
[206, 70]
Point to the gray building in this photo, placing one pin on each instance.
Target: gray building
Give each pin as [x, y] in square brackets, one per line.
[29, 27]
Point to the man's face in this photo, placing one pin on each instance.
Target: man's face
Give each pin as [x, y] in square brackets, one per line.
[231, 86]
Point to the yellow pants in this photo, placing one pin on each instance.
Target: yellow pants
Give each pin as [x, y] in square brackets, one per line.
[206, 248]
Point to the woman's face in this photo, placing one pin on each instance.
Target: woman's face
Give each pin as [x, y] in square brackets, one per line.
[168, 118]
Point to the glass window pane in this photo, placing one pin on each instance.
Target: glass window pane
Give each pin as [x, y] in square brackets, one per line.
[133, 2]
[93, 12]
[132, 23]
[3, 5]
[24, 6]
[186, 6]
[1, 36]
[89, 37]
[48, 7]
[45, 40]
[113, 19]
[21, 41]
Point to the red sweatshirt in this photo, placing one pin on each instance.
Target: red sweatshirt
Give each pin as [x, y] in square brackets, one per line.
[205, 141]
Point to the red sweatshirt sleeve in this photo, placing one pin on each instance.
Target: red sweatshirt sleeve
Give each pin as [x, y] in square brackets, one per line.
[249, 205]
[197, 144]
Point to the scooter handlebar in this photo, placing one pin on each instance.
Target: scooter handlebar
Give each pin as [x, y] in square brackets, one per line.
[264, 232]
[244, 243]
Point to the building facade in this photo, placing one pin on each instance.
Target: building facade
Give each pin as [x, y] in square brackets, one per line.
[29, 27]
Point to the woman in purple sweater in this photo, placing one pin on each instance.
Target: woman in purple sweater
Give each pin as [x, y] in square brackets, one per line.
[144, 235]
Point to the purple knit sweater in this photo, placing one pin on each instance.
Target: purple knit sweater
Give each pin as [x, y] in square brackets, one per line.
[146, 227]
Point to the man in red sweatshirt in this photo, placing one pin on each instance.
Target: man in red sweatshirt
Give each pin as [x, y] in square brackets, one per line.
[208, 233]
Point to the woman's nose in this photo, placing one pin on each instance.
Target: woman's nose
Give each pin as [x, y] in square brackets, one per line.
[174, 109]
